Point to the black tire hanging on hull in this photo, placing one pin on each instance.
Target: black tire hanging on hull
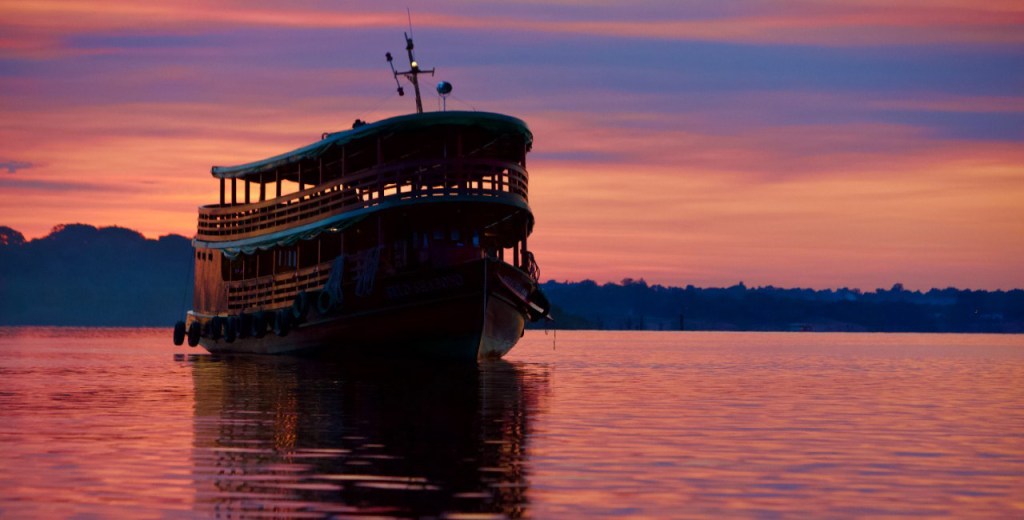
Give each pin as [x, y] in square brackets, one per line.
[259, 324]
[300, 308]
[179, 333]
[282, 322]
[194, 331]
[230, 329]
[325, 302]
[216, 327]
[244, 325]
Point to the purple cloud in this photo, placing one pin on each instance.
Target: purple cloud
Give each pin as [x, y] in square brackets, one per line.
[13, 166]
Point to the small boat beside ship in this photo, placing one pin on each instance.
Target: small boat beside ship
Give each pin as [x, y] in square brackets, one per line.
[403, 237]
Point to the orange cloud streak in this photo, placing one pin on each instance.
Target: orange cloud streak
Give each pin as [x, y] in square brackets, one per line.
[776, 206]
[782, 207]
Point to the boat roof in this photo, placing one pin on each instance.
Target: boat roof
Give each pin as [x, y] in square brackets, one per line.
[487, 120]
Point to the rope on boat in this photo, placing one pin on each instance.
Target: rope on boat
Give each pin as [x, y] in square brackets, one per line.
[554, 335]
[333, 285]
[367, 263]
[185, 283]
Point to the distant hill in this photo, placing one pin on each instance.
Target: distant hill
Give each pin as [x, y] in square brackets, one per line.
[82, 275]
[87, 276]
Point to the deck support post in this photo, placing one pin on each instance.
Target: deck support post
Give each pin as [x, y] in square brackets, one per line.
[524, 245]
[380, 231]
[222, 191]
[247, 191]
[234, 191]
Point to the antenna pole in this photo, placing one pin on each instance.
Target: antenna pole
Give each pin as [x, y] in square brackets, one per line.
[412, 74]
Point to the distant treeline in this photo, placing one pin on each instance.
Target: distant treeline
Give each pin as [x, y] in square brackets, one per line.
[633, 304]
[80, 275]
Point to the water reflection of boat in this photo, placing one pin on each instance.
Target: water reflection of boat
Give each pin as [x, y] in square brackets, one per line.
[292, 436]
[406, 236]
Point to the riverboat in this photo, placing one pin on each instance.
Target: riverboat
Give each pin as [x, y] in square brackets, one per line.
[404, 237]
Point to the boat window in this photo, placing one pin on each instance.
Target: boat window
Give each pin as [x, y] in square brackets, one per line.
[286, 258]
[249, 266]
[330, 246]
[308, 252]
[265, 259]
[232, 270]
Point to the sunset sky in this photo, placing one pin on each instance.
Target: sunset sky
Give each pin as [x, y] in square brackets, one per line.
[793, 143]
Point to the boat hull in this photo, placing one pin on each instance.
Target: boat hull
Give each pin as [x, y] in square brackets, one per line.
[474, 311]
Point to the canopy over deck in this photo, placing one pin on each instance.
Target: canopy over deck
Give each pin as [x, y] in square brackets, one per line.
[498, 123]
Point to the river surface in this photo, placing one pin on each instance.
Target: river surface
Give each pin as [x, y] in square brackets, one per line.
[106, 423]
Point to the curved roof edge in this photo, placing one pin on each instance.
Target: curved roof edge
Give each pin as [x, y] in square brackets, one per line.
[406, 122]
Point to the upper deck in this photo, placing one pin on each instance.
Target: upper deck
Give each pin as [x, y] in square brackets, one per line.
[402, 160]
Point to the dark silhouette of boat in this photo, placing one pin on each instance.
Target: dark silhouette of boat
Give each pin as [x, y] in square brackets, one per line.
[402, 237]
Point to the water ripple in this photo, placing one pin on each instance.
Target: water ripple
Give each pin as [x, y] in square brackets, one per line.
[111, 422]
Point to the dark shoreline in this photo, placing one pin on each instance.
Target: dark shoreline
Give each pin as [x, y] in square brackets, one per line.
[83, 276]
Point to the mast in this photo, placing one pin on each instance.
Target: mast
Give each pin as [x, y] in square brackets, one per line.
[412, 74]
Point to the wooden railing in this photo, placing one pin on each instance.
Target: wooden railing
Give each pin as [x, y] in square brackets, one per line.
[407, 180]
[274, 291]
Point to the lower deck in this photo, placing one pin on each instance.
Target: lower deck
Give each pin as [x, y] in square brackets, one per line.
[472, 311]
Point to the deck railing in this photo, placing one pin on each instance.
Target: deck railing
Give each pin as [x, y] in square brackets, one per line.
[398, 181]
[275, 290]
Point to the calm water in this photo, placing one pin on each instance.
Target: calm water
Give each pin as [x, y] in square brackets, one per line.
[114, 422]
